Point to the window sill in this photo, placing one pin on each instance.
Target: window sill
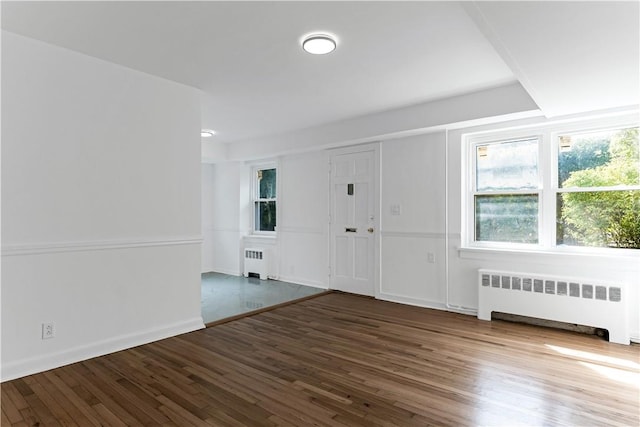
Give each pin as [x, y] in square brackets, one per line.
[607, 254]
[263, 238]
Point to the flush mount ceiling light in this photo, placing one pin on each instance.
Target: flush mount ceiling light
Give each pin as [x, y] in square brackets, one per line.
[319, 44]
[207, 133]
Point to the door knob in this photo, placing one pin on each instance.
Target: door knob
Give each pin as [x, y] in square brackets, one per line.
[370, 230]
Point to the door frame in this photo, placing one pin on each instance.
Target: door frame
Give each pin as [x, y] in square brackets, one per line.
[331, 153]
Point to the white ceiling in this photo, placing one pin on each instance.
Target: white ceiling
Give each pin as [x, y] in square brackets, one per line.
[257, 81]
[570, 56]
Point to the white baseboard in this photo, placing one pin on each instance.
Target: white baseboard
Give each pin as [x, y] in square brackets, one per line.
[208, 268]
[422, 303]
[411, 301]
[225, 271]
[635, 337]
[21, 368]
[303, 281]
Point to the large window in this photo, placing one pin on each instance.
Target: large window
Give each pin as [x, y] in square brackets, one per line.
[506, 196]
[264, 199]
[598, 198]
[553, 187]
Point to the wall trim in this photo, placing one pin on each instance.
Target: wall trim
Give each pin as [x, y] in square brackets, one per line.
[303, 282]
[421, 303]
[222, 229]
[256, 239]
[21, 368]
[94, 245]
[302, 230]
[229, 272]
[487, 253]
[622, 262]
[413, 234]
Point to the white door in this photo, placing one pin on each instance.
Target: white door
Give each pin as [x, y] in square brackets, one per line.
[353, 221]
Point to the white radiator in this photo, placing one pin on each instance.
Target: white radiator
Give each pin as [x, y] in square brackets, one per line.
[256, 262]
[562, 299]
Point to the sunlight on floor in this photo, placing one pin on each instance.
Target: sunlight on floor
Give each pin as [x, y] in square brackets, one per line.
[613, 368]
[622, 363]
[499, 400]
[619, 375]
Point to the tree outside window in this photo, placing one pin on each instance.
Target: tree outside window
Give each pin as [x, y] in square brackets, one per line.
[590, 197]
[265, 199]
[598, 203]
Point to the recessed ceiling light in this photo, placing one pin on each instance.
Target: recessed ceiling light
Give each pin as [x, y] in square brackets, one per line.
[319, 44]
[207, 133]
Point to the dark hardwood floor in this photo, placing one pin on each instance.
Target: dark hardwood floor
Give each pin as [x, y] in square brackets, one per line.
[343, 360]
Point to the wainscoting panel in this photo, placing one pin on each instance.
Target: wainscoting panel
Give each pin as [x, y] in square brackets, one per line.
[413, 267]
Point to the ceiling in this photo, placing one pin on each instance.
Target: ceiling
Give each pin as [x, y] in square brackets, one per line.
[570, 56]
[256, 81]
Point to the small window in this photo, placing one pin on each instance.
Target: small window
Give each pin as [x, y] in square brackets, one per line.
[598, 200]
[506, 191]
[264, 199]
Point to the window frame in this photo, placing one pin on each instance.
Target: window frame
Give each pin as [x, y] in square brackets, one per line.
[549, 188]
[255, 197]
[556, 190]
[471, 192]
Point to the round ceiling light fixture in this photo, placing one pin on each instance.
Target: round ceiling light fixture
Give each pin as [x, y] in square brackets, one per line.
[207, 133]
[319, 44]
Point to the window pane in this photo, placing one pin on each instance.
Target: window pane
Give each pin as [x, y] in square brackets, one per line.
[599, 159]
[509, 165]
[265, 216]
[599, 218]
[507, 218]
[267, 180]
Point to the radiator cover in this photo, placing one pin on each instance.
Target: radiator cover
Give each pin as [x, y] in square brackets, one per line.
[256, 261]
[563, 299]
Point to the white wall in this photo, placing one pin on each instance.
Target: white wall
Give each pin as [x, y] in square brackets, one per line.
[222, 225]
[206, 197]
[303, 223]
[412, 175]
[298, 253]
[421, 174]
[100, 206]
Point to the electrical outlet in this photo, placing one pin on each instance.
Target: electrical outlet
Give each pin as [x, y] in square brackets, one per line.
[47, 331]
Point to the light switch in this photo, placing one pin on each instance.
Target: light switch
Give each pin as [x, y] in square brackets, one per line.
[394, 209]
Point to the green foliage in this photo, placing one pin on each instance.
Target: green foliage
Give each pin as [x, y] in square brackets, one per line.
[606, 218]
[586, 153]
[267, 216]
[266, 209]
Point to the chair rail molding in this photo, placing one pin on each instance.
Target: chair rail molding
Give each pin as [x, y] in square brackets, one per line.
[95, 245]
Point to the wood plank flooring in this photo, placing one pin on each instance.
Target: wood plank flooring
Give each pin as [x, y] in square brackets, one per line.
[343, 360]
